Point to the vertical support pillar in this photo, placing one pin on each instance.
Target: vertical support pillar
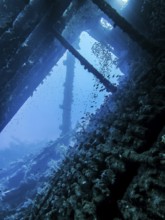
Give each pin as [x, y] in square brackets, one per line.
[68, 98]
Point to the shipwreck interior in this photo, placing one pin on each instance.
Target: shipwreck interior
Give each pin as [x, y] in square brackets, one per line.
[114, 168]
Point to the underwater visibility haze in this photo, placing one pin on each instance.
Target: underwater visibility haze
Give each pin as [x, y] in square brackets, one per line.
[82, 110]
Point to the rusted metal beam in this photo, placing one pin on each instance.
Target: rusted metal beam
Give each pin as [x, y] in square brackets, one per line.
[109, 86]
[120, 21]
[30, 65]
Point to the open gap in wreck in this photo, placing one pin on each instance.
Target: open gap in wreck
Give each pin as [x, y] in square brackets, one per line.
[39, 122]
[111, 171]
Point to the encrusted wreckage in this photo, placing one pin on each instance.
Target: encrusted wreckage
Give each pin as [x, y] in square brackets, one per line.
[116, 168]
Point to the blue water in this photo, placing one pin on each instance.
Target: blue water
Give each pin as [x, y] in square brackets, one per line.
[31, 145]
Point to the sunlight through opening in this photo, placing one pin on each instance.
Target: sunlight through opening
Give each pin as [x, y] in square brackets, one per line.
[105, 24]
[123, 3]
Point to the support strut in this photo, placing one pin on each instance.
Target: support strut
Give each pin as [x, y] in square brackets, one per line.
[109, 86]
[68, 99]
[140, 39]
